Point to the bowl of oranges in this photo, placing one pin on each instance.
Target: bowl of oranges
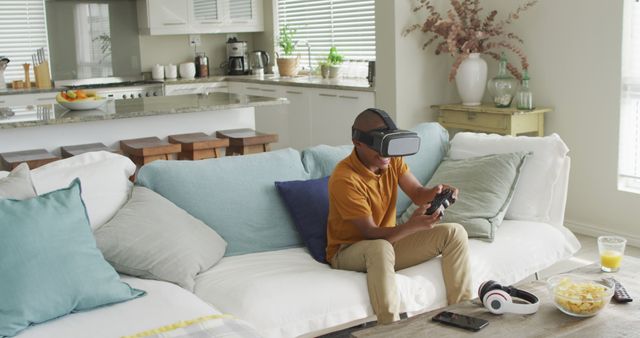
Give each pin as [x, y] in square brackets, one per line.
[80, 99]
[578, 296]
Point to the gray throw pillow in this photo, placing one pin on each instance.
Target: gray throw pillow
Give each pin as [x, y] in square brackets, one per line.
[486, 185]
[17, 185]
[150, 237]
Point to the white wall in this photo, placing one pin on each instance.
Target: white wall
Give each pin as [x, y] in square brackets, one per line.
[573, 47]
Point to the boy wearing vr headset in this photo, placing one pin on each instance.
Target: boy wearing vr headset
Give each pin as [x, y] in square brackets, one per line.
[361, 232]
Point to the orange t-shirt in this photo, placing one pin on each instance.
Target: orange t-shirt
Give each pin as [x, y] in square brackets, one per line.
[357, 192]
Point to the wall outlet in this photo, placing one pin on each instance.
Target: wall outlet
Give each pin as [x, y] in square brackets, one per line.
[194, 40]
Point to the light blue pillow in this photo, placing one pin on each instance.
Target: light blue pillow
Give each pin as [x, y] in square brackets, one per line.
[49, 263]
[235, 196]
[434, 145]
[320, 160]
[486, 186]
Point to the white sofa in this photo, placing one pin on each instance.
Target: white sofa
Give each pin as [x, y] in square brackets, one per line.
[286, 293]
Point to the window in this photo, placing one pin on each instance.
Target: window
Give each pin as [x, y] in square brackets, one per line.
[349, 25]
[629, 152]
[22, 31]
[93, 40]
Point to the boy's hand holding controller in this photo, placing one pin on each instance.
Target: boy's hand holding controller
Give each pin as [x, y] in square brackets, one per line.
[444, 198]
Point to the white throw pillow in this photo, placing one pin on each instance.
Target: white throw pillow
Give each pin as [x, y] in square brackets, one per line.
[104, 178]
[150, 237]
[534, 192]
[17, 184]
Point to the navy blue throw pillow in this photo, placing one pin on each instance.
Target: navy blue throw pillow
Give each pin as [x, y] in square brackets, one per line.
[308, 205]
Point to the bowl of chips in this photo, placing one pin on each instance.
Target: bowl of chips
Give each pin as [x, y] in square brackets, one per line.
[579, 296]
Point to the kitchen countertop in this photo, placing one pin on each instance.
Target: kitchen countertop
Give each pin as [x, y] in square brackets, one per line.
[33, 90]
[48, 114]
[300, 81]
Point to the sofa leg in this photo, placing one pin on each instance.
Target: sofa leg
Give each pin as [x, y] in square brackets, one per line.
[537, 276]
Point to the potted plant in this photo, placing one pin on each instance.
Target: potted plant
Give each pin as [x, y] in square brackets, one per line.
[465, 34]
[287, 63]
[334, 59]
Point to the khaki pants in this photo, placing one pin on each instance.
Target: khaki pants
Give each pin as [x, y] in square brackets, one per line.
[380, 259]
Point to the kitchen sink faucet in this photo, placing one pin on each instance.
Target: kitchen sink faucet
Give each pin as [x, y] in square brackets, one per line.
[305, 42]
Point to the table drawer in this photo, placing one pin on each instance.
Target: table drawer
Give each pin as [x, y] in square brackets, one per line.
[472, 120]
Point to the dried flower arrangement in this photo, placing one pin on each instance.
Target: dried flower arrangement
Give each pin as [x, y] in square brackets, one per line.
[463, 32]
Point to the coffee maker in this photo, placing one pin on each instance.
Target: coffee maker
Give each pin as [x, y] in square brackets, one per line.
[237, 56]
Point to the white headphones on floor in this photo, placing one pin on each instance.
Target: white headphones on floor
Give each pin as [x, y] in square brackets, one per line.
[498, 299]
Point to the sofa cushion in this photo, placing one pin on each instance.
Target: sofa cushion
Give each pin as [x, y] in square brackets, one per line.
[235, 196]
[532, 197]
[320, 160]
[150, 237]
[520, 249]
[17, 184]
[308, 205]
[486, 185]
[286, 293]
[164, 303]
[49, 261]
[434, 145]
[104, 176]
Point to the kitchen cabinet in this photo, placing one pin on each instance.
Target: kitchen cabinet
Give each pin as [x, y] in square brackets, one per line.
[333, 112]
[27, 99]
[158, 17]
[165, 17]
[273, 119]
[195, 88]
[313, 116]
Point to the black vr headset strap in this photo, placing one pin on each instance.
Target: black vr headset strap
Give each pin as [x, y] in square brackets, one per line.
[365, 137]
[385, 117]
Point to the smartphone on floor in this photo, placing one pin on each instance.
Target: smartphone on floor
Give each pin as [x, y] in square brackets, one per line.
[461, 321]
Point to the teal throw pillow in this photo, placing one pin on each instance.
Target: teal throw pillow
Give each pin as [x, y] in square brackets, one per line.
[486, 187]
[49, 263]
[234, 195]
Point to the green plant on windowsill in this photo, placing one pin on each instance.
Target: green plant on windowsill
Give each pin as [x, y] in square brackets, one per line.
[287, 64]
[285, 40]
[331, 66]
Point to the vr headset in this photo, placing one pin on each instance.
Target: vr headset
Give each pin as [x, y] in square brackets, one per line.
[498, 299]
[389, 141]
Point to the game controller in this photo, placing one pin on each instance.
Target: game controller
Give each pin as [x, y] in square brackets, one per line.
[444, 199]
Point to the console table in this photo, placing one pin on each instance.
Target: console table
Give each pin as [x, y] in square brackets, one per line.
[616, 320]
[489, 119]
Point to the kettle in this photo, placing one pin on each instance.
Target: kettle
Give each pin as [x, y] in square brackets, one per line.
[3, 65]
[258, 59]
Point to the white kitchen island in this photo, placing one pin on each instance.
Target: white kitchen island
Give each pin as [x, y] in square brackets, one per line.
[51, 126]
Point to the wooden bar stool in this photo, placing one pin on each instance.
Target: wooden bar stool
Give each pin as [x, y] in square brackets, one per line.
[69, 151]
[148, 149]
[33, 157]
[198, 146]
[247, 141]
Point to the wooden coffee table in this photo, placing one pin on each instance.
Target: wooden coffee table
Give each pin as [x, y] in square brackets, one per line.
[616, 320]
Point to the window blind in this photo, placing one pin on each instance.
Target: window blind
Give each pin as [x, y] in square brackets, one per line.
[22, 31]
[349, 25]
[629, 150]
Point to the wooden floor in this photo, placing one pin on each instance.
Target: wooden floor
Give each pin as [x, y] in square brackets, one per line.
[587, 255]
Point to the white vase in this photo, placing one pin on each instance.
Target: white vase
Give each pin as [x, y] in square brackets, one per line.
[471, 80]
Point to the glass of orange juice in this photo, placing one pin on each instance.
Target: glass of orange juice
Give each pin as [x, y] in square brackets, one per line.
[611, 250]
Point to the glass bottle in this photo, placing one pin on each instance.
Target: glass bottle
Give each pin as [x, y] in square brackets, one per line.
[503, 86]
[524, 97]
